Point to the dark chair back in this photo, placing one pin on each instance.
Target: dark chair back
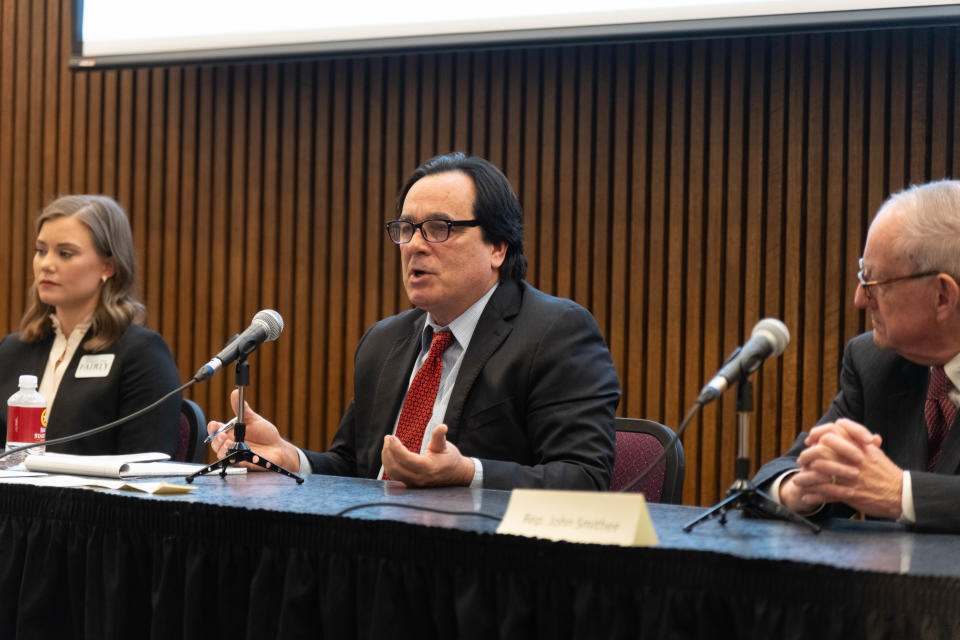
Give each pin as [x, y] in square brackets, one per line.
[193, 429]
[638, 443]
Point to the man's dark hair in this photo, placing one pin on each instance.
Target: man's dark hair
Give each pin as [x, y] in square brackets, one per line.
[496, 205]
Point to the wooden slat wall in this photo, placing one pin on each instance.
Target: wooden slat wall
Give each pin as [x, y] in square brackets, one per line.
[680, 190]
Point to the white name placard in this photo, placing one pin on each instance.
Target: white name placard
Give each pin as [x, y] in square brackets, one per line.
[580, 516]
[95, 366]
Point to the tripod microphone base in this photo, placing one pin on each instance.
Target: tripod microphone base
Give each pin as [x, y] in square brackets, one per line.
[743, 496]
[239, 452]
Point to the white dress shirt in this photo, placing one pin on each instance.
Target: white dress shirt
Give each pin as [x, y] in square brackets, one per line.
[61, 353]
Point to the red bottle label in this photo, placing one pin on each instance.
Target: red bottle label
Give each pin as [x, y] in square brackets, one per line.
[26, 424]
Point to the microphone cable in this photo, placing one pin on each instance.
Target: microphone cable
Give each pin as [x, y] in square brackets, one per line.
[415, 507]
[104, 427]
[666, 449]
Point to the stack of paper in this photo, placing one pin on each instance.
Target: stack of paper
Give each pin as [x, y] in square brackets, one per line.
[134, 465]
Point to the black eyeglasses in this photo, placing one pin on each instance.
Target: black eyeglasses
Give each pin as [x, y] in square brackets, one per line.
[435, 230]
[867, 284]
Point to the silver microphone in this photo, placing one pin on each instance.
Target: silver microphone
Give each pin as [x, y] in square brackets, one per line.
[768, 338]
[265, 327]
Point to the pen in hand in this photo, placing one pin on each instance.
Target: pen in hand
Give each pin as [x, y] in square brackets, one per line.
[226, 427]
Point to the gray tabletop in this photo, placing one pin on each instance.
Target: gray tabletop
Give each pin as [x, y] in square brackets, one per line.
[885, 547]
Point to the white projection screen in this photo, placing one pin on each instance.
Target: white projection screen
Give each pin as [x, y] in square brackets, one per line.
[117, 33]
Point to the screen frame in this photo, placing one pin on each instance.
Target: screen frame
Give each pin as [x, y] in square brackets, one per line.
[859, 19]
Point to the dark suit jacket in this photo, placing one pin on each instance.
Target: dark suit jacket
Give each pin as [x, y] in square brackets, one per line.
[534, 399]
[142, 371]
[886, 393]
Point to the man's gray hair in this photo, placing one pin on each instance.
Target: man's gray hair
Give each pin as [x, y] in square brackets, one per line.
[930, 225]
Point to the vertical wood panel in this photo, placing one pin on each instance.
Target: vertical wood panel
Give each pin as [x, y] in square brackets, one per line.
[657, 253]
[337, 212]
[319, 370]
[856, 87]
[354, 231]
[559, 252]
[220, 240]
[545, 166]
[263, 228]
[697, 289]
[301, 297]
[680, 190]
[833, 204]
[577, 236]
[704, 444]
[373, 212]
[758, 252]
[601, 190]
[675, 243]
[19, 175]
[51, 78]
[392, 175]
[11, 262]
[184, 205]
[282, 274]
[195, 313]
[619, 185]
[777, 408]
[638, 201]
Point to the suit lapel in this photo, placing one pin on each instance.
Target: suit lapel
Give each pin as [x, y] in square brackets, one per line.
[905, 441]
[907, 408]
[35, 359]
[492, 329]
[391, 387]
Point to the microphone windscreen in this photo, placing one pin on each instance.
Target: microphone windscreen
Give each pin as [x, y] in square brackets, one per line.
[775, 331]
[272, 321]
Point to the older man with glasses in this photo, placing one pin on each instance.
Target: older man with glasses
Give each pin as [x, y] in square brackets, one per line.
[488, 382]
[889, 446]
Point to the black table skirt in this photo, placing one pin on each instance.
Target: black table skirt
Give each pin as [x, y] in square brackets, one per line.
[87, 564]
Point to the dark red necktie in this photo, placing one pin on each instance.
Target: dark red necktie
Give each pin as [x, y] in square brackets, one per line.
[939, 411]
[422, 395]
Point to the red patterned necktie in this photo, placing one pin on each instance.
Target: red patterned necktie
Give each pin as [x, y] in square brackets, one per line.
[939, 411]
[421, 396]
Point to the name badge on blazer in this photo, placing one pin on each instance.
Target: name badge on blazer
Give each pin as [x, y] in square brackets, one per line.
[95, 366]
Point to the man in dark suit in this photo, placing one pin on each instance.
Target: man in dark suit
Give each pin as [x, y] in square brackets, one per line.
[889, 446]
[488, 381]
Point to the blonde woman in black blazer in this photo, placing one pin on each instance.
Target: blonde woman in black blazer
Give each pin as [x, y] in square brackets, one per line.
[80, 334]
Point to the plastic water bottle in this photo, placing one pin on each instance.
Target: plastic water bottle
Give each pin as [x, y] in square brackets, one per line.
[26, 420]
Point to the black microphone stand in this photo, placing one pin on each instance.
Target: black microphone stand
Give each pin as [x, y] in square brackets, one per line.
[742, 494]
[239, 451]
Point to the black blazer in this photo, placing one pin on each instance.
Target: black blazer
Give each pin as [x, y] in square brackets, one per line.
[534, 399]
[142, 371]
[886, 393]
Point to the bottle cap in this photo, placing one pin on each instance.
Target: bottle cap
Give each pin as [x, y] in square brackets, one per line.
[28, 381]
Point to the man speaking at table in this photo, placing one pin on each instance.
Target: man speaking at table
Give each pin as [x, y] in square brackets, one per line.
[488, 382]
[889, 446]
